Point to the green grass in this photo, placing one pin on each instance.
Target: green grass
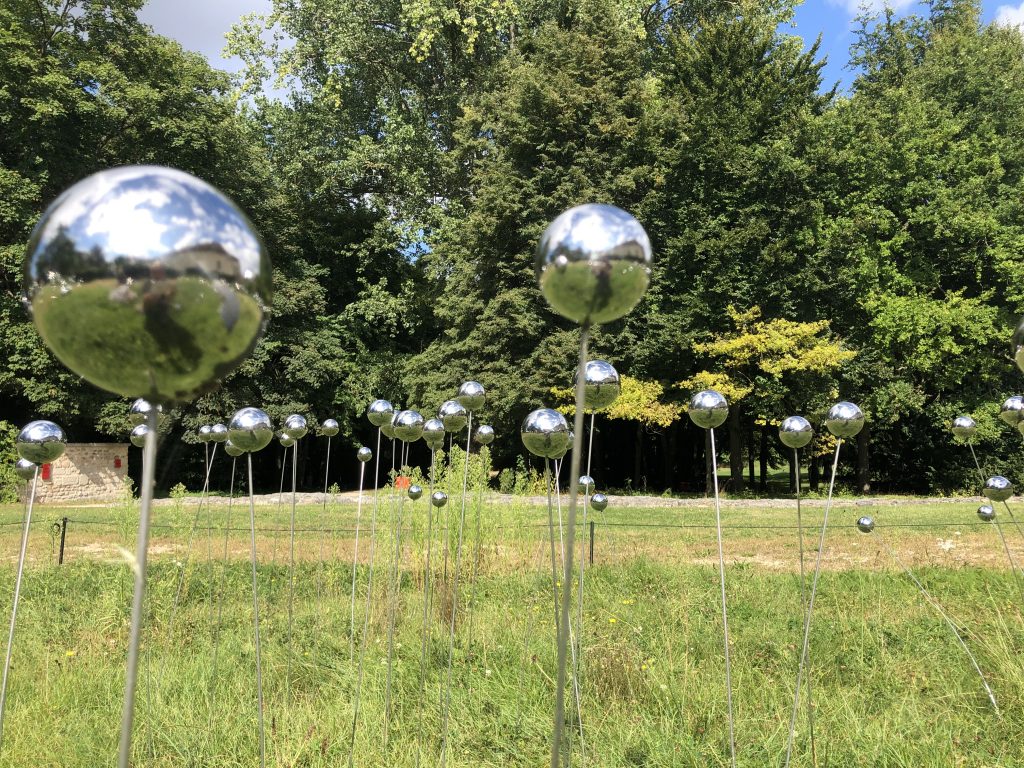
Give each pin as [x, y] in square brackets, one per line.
[891, 685]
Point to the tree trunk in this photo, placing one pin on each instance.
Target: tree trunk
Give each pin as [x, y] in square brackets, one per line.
[812, 473]
[666, 461]
[863, 473]
[638, 452]
[750, 454]
[735, 450]
[794, 467]
[673, 452]
[763, 457]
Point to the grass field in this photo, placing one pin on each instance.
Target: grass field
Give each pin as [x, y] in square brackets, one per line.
[891, 685]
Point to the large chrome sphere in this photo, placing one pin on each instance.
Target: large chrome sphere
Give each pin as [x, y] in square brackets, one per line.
[330, 427]
[865, 524]
[409, 426]
[986, 513]
[380, 412]
[545, 433]
[250, 430]
[601, 386]
[471, 395]
[1012, 410]
[708, 409]
[147, 282]
[218, 433]
[599, 502]
[295, 426]
[844, 420]
[231, 449]
[795, 432]
[484, 434]
[433, 433]
[439, 498]
[1017, 345]
[964, 427]
[286, 440]
[594, 263]
[364, 454]
[452, 414]
[25, 469]
[138, 435]
[415, 491]
[205, 433]
[41, 442]
[388, 427]
[586, 483]
[997, 488]
[140, 410]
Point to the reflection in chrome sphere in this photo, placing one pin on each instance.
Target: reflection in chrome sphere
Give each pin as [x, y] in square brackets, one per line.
[471, 395]
[415, 491]
[452, 414]
[601, 386]
[545, 433]
[795, 432]
[380, 412]
[708, 409]
[388, 427]
[865, 524]
[599, 502]
[139, 412]
[586, 483]
[986, 513]
[205, 433]
[231, 449]
[250, 429]
[138, 435]
[364, 454]
[594, 263]
[41, 442]
[844, 419]
[1020, 427]
[286, 440]
[147, 282]
[218, 433]
[439, 498]
[964, 427]
[330, 427]
[409, 426]
[433, 434]
[295, 426]
[1012, 410]
[484, 435]
[997, 488]
[1017, 345]
[24, 469]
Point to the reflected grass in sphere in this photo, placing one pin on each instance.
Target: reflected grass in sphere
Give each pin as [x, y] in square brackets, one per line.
[433, 434]
[471, 395]
[708, 409]
[25, 469]
[601, 385]
[138, 435]
[41, 442]
[844, 420]
[330, 428]
[545, 433]
[795, 432]
[964, 427]
[250, 429]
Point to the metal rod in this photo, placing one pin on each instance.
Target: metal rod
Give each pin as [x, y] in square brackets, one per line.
[725, 610]
[63, 536]
[355, 551]
[803, 604]
[323, 536]
[256, 619]
[476, 549]
[220, 590]
[395, 589]
[551, 539]
[426, 612]
[291, 574]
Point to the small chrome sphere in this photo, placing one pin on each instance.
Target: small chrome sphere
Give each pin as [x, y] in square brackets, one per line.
[286, 440]
[601, 385]
[25, 469]
[708, 409]
[218, 433]
[986, 513]
[594, 263]
[439, 498]
[231, 449]
[1012, 410]
[415, 491]
[964, 427]
[140, 410]
[471, 395]
[364, 454]
[380, 412]
[586, 483]
[433, 433]
[250, 429]
[1017, 345]
[844, 420]
[452, 414]
[997, 488]
[795, 432]
[409, 426]
[329, 428]
[599, 502]
[41, 442]
[295, 426]
[545, 433]
[205, 433]
[484, 434]
[865, 524]
[138, 435]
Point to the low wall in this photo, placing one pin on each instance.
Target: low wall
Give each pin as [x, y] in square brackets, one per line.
[86, 472]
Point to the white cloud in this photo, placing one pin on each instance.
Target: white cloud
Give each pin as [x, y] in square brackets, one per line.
[1010, 15]
[853, 7]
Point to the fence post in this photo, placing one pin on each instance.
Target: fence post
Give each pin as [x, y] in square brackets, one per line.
[63, 534]
[591, 542]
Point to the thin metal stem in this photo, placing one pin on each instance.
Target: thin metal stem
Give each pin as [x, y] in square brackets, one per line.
[476, 552]
[803, 604]
[355, 551]
[981, 475]
[1009, 557]
[396, 589]
[256, 620]
[323, 535]
[725, 610]
[220, 589]
[426, 613]
[291, 574]
[551, 539]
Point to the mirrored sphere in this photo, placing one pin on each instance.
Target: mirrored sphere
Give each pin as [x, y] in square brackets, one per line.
[330, 427]
[997, 488]
[601, 386]
[844, 419]
[140, 410]
[708, 409]
[380, 412]
[484, 434]
[1020, 427]
[147, 282]
[452, 414]
[1017, 345]
[24, 469]
[795, 432]
[388, 427]
[250, 430]
[986, 513]
[364, 454]
[433, 434]
[231, 449]
[471, 395]
[545, 433]
[286, 440]
[594, 263]
[415, 491]
[41, 442]
[865, 524]
[599, 502]
[295, 426]
[409, 426]
[1012, 410]
[586, 483]
[138, 435]
[964, 427]
[218, 433]
[439, 498]
[205, 433]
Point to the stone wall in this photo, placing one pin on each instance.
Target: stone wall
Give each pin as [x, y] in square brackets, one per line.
[86, 472]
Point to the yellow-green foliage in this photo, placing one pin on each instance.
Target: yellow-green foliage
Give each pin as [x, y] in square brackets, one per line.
[639, 401]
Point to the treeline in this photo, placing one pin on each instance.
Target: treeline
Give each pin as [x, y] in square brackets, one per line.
[809, 245]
